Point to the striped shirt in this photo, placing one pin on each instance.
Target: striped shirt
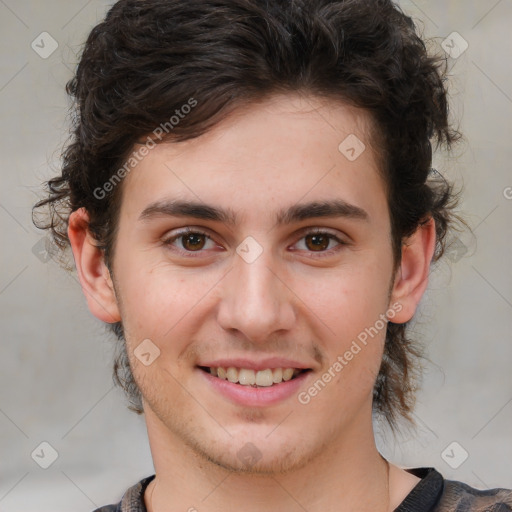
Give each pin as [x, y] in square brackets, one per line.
[431, 494]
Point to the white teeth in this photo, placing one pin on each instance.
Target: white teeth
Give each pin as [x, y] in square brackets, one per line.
[246, 377]
[277, 375]
[232, 374]
[264, 378]
[249, 377]
[287, 373]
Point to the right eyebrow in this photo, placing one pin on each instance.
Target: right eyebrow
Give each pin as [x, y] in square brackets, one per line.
[295, 213]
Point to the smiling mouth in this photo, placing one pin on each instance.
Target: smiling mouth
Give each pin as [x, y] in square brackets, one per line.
[260, 378]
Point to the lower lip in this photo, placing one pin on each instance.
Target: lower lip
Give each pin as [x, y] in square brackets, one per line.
[256, 397]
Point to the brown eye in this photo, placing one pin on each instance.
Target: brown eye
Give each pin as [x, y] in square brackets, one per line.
[321, 242]
[317, 242]
[192, 241]
[189, 241]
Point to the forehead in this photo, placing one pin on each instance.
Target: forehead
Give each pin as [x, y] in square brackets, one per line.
[265, 155]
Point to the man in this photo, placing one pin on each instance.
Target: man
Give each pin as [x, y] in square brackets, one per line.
[250, 203]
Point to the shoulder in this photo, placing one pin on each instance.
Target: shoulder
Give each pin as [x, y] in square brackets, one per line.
[132, 500]
[433, 493]
[460, 497]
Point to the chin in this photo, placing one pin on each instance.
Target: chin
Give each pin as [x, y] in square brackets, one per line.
[244, 461]
[251, 446]
[255, 454]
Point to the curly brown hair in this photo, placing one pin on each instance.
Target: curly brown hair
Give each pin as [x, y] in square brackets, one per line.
[149, 57]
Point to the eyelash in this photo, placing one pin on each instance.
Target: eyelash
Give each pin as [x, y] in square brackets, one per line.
[315, 231]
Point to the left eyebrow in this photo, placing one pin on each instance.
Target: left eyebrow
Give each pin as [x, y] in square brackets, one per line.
[295, 213]
[334, 208]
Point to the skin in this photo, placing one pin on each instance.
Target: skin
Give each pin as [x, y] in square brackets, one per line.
[294, 300]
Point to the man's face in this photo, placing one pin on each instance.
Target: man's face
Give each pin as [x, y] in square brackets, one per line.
[257, 294]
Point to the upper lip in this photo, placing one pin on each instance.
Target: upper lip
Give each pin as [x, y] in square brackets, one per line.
[273, 363]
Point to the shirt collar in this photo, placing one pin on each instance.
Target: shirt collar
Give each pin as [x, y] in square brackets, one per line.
[422, 498]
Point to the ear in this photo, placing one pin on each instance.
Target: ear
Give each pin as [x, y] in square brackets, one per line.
[411, 278]
[93, 273]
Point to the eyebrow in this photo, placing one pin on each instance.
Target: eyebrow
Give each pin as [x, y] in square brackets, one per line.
[295, 213]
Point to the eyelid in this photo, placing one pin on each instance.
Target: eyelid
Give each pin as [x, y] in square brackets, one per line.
[300, 234]
[313, 230]
[323, 231]
[168, 240]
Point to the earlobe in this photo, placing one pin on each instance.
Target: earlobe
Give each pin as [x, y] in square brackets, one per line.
[92, 271]
[411, 279]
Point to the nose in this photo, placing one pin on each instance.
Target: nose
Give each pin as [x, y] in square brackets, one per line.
[256, 300]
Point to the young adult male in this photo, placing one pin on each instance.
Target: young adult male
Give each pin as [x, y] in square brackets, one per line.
[250, 203]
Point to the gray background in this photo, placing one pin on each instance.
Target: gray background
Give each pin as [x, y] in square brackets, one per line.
[55, 369]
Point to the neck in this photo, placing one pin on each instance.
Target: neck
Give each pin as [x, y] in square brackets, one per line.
[348, 474]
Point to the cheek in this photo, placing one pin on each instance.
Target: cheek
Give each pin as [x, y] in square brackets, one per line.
[152, 300]
[348, 299]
